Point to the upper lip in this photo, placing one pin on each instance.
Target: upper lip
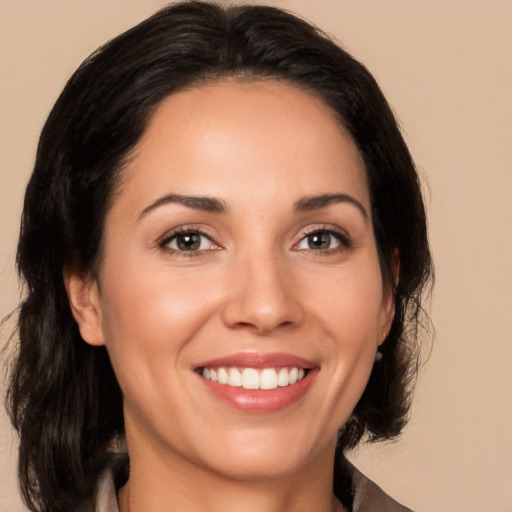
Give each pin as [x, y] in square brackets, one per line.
[258, 360]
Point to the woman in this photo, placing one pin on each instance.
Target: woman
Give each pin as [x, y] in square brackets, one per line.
[224, 246]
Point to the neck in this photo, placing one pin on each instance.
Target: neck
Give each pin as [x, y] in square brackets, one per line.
[241, 498]
[159, 484]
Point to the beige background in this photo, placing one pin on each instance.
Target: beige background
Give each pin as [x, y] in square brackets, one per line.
[446, 67]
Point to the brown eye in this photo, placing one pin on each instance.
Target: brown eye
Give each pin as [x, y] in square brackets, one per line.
[189, 241]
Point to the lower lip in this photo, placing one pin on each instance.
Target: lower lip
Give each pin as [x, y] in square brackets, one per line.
[261, 400]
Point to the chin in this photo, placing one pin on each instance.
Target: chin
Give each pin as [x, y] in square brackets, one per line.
[260, 456]
[261, 467]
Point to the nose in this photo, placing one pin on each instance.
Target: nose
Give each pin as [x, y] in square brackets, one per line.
[262, 296]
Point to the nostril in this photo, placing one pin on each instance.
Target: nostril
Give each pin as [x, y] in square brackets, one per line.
[263, 328]
[262, 303]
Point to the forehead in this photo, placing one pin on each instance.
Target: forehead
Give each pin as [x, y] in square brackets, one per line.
[221, 138]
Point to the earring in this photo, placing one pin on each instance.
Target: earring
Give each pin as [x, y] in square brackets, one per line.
[378, 354]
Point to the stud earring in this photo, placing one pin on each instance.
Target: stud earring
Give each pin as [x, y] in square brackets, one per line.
[378, 354]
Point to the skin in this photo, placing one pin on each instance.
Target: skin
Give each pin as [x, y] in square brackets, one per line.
[256, 285]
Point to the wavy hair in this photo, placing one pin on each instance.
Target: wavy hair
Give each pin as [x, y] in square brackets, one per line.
[63, 397]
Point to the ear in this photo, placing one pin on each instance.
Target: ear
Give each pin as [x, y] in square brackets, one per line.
[388, 299]
[386, 315]
[395, 267]
[84, 299]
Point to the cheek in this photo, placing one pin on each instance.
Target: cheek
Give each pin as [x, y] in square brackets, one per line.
[350, 301]
[148, 324]
[153, 311]
[349, 310]
[151, 315]
[146, 319]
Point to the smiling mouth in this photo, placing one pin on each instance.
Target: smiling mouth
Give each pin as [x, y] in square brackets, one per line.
[257, 383]
[252, 378]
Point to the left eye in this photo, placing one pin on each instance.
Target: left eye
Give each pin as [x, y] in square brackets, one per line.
[320, 241]
[189, 241]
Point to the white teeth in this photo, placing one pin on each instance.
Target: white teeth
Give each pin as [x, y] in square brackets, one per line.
[282, 378]
[234, 379]
[268, 379]
[223, 376]
[251, 378]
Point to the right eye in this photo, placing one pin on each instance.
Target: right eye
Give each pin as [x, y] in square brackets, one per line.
[324, 240]
[191, 241]
[320, 241]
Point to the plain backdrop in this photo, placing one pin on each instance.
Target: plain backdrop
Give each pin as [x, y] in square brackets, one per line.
[446, 68]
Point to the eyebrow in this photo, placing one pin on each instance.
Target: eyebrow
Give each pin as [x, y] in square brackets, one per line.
[215, 205]
[307, 204]
[207, 204]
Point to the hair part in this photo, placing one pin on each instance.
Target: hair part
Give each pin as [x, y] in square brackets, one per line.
[63, 398]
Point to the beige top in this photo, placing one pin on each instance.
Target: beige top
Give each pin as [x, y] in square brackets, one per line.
[368, 497]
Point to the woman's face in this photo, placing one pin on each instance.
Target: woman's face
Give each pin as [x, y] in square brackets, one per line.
[240, 248]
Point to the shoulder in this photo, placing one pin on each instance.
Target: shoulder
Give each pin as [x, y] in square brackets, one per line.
[369, 497]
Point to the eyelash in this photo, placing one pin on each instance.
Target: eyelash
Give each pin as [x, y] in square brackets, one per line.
[169, 237]
[341, 236]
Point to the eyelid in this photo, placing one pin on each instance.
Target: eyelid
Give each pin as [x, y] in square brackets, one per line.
[340, 234]
[164, 241]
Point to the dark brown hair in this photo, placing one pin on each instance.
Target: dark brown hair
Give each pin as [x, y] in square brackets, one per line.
[64, 399]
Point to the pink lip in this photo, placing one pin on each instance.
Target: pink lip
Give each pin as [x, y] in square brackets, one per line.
[257, 400]
[255, 360]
